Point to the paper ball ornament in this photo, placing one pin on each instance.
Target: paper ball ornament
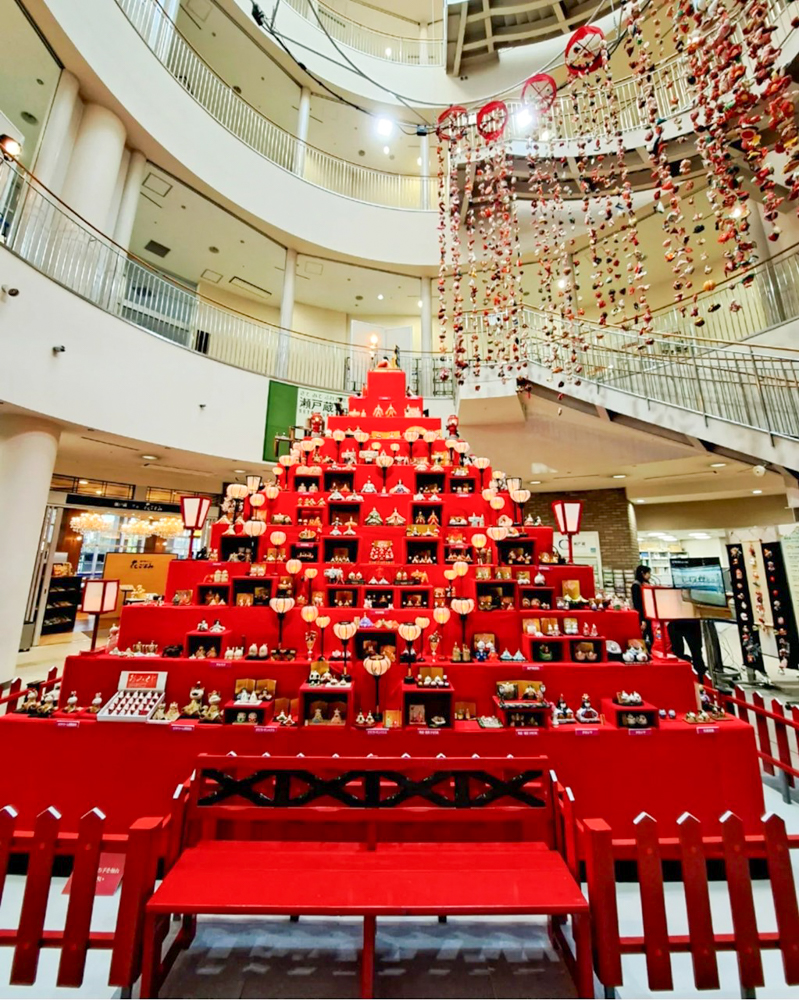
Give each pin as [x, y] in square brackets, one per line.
[584, 50]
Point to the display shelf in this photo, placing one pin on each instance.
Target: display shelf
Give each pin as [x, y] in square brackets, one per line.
[63, 601]
[164, 754]
[631, 717]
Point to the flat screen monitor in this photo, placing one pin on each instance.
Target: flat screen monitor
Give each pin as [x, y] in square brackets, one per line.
[702, 576]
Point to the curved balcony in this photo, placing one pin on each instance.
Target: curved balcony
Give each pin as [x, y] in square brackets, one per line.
[189, 69]
[407, 192]
[750, 387]
[407, 50]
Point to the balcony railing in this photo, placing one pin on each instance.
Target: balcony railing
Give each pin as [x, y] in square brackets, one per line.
[41, 230]
[377, 187]
[403, 191]
[751, 387]
[404, 49]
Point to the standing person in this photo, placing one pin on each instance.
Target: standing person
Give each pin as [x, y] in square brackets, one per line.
[642, 577]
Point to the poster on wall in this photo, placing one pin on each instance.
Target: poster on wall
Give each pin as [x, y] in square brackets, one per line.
[290, 406]
[586, 550]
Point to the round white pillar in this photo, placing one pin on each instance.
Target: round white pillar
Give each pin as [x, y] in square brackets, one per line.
[94, 165]
[424, 168]
[286, 313]
[426, 386]
[303, 121]
[116, 198]
[129, 202]
[56, 145]
[28, 448]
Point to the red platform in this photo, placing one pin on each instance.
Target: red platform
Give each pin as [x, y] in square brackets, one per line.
[131, 770]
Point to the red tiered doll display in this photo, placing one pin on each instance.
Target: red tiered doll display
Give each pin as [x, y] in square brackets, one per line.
[385, 597]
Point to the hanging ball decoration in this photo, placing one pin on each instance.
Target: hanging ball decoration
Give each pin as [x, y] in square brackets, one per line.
[451, 124]
[492, 119]
[584, 50]
[539, 92]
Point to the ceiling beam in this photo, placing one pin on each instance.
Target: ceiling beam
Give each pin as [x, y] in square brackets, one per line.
[489, 28]
[456, 62]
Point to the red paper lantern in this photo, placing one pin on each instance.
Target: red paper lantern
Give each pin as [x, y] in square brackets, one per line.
[492, 119]
[584, 51]
[540, 92]
[451, 124]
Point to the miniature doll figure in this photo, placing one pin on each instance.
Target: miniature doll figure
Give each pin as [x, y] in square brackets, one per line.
[586, 713]
[195, 705]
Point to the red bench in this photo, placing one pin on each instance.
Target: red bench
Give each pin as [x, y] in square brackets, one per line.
[367, 837]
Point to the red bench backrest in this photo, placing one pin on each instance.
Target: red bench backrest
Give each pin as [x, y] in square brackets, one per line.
[366, 799]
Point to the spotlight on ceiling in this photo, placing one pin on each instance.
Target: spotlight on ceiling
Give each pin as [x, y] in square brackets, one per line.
[385, 126]
[523, 119]
[10, 146]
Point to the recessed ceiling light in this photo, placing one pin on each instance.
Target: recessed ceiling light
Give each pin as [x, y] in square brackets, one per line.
[386, 150]
[718, 465]
[699, 534]
[385, 126]
[535, 482]
[757, 492]
[639, 501]
[619, 475]
[98, 492]
[418, 161]
[150, 458]
[380, 297]
[669, 538]
[419, 304]
[239, 472]
[388, 53]
[83, 482]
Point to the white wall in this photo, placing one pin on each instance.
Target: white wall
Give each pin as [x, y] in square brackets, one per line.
[116, 378]
[201, 151]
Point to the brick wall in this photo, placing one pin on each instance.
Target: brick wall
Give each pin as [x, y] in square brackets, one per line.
[607, 511]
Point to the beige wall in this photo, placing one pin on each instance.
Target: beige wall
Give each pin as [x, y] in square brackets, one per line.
[736, 513]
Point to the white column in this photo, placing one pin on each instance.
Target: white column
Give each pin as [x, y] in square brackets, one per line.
[424, 168]
[56, 146]
[426, 381]
[28, 448]
[770, 295]
[116, 198]
[94, 165]
[303, 121]
[423, 47]
[286, 313]
[130, 199]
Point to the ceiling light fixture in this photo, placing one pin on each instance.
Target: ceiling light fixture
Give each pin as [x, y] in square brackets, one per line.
[535, 482]
[385, 126]
[699, 534]
[523, 118]
[388, 53]
[757, 492]
[386, 150]
[639, 501]
[618, 475]
[83, 482]
[561, 282]
[718, 465]
[380, 298]
[10, 146]
[239, 472]
[150, 458]
[418, 161]
[419, 304]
